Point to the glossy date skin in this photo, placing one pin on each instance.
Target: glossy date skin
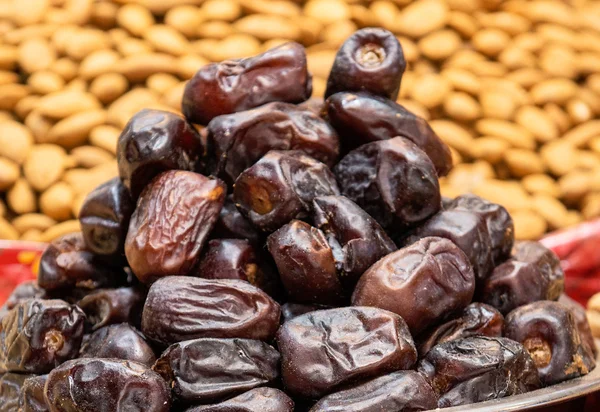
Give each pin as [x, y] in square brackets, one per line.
[392, 180]
[478, 369]
[155, 141]
[181, 308]
[549, 332]
[546, 262]
[583, 326]
[402, 391]
[258, 399]
[323, 350]
[280, 187]
[372, 60]
[231, 224]
[106, 385]
[291, 310]
[38, 335]
[238, 140]
[171, 223]
[11, 385]
[277, 75]
[108, 306]
[32, 395]
[209, 370]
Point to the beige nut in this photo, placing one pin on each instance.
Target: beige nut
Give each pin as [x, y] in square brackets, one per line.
[463, 80]
[9, 173]
[98, 63]
[15, 141]
[36, 54]
[541, 184]
[32, 221]
[132, 46]
[65, 68]
[422, 17]
[488, 148]
[575, 185]
[279, 7]
[135, 18]
[44, 165]
[185, 19]
[461, 106]
[21, 197]
[105, 137]
[553, 91]
[11, 94]
[166, 39]
[320, 62]
[490, 41]
[538, 122]
[225, 10]
[327, 11]
[30, 12]
[415, 107]
[66, 103]
[83, 181]
[463, 23]
[45, 82]
[497, 104]
[265, 26]
[582, 134]
[61, 229]
[73, 131]
[161, 82]
[337, 33]
[440, 45]
[515, 58]
[214, 30]
[90, 156]
[528, 225]
[84, 42]
[57, 201]
[173, 96]
[590, 206]
[527, 77]
[32, 235]
[509, 194]
[514, 134]
[594, 321]
[140, 66]
[579, 111]
[551, 209]
[108, 87]
[38, 125]
[511, 23]
[522, 162]
[453, 134]
[7, 231]
[560, 157]
[231, 47]
[430, 90]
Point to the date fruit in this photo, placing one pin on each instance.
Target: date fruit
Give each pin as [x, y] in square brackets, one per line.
[546, 262]
[424, 283]
[232, 225]
[291, 310]
[108, 306]
[208, 370]
[258, 399]
[371, 59]
[323, 350]
[277, 75]
[32, 395]
[11, 385]
[174, 215]
[106, 385]
[583, 326]
[24, 291]
[181, 308]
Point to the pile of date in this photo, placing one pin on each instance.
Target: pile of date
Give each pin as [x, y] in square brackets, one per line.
[291, 255]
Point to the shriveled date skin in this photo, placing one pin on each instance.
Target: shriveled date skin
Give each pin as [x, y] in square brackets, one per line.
[392, 180]
[106, 385]
[38, 335]
[549, 332]
[402, 391]
[155, 141]
[280, 187]
[424, 283]
[171, 223]
[258, 399]
[478, 369]
[238, 140]
[32, 395]
[208, 370]
[108, 306]
[181, 308]
[323, 350]
[277, 75]
[361, 118]
[11, 385]
[580, 317]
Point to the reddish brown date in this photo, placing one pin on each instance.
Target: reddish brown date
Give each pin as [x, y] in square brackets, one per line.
[424, 283]
[155, 141]
[279, 74]
[174, 215]
[208, 370]
[549, 332]
[258, 399]
[38, 335]
[232, 225]
[32, 395]
[291, 310]
[24, 291]
[180, 308]
[371, 59]
[106, 385]
[11, 385]
[546, 262]
[402, 391]
[108, 306]
[478, 369]
[392, 180]
[583, 326]
[323, 350]
[238, 140]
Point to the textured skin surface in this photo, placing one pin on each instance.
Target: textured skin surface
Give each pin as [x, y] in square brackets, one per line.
[120, 341]
[291, 310]
[546, 262]
[32, 395]
[24, 291]
[578, 311]
[109, 306]
[10, 388]
[232, 225]
[255, 400]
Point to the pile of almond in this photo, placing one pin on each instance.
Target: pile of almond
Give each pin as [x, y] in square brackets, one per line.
[512, 86]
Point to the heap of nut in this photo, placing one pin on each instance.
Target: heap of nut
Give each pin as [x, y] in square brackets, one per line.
[294, 255]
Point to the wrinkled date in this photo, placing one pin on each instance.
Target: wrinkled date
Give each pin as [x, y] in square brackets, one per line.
[477, 319]
[37, 335]
[32, 395]
[104, 218]
[424, 283]
[478, 369]
[361, 118]
[392, 180]
[280, 187]
[208, 370]
[24, 291]
[174, 215]
[258, 399]
[231, 224]
[291, 310]
[277, 75]
[320, 351]
[401, 391]
[107, 306]
[580, 317]
[238, 140]
[106, 385]
[11, 385]
[372, 60]
[120, 341]
[546, 262]
[549, 332]
[179, 308]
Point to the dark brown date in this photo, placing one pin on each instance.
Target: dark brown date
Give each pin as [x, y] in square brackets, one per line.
[549, 332]
[583, 326]
[392, 180]
[356, 239]
[174, 215]
[32, 395]
[106, 385]
[280, 187]
[232, 225]
[258, 399]
[291, 310]
[323, 350]
[120, 341]
[478, 369]
[104, 218]
[108, 306]
[11, 385]
[238, 140]
[180, 308]
[155, 141]
[208, 370]
[424, 283]
[402, 391]
[361, 118]
[38, 335]
[546, 262]
[477, 319]
[371, 59]
[306, 264]
[279, 74]
[24, 291]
